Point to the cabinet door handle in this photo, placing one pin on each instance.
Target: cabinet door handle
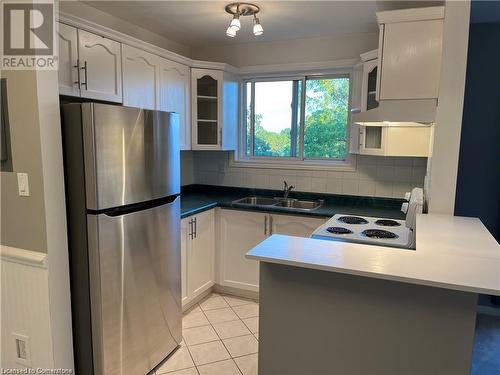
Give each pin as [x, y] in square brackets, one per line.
[77, 66]
[265, 225]
[191, 228]
[86, 83]
[270, 225]
[195, 228]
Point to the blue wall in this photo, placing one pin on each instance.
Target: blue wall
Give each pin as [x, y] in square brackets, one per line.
[478, 183]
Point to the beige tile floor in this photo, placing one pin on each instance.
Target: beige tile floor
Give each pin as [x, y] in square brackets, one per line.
[221, 336]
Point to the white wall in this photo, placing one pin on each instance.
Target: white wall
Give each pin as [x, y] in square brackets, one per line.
[375, 176]
[443, 166]
[41, 306]
[187, 168]
[290, 51]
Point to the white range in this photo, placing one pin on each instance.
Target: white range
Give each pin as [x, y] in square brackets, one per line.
[373, 230]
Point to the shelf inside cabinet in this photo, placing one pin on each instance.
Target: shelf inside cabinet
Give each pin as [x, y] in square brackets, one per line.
[207, 132]
[204, 120]
[206, 97]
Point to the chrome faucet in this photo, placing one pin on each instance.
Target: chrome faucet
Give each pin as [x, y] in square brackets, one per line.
[287, 189]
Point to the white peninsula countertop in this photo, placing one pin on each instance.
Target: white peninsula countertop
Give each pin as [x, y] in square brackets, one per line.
[451, 252]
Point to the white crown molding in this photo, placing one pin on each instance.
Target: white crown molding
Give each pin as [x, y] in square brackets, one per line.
[93, 27]
[214, 65]
[408, 15]
[22, 256]
[370, 55]
[308, 67]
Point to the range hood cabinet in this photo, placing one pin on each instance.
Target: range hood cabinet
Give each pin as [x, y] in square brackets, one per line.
[409, 65]
[418, 112]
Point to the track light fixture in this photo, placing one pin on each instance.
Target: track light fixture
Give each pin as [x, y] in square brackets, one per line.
[243, 9]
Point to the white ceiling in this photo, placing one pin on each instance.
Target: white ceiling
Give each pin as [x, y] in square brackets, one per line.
[195, 23]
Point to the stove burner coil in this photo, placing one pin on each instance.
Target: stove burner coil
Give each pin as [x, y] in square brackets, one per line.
[352, 220]
[387, 223]
[379, 233]
[338, 230]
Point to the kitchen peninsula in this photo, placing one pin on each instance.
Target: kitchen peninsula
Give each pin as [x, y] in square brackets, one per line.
[337, 307]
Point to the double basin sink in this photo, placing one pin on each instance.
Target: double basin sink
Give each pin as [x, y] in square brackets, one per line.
[289, 203]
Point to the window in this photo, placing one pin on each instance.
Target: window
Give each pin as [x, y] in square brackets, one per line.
[284, 121]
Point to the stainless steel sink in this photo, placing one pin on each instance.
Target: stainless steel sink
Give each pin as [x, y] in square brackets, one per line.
[289, 203]
[299, 204]
[256, 201]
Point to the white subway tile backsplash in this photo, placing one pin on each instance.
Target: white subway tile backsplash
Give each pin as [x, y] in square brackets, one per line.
[366, 187]
[404, 161]
[383, 189]
[318, 184]
[334, 186]
[374, 175]
[403, 174]
[385, 172]
[350, 186]
[303, 183]
[420, 162]
[399, 188]
[367, 160]
[418, 174]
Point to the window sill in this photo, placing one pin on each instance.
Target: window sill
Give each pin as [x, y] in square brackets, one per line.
[348, 165]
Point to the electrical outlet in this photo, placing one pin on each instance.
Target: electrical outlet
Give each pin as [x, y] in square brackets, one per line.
[22, 349]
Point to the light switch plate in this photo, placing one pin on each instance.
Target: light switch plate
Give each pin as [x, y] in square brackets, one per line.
[23, 184]
[22, 349]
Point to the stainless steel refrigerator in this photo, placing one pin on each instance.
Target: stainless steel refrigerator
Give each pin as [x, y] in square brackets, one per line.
[122, 174]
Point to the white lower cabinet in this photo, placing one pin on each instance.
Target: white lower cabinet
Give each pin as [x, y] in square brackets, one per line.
[295, 225]
[239, 231]
[197, 254]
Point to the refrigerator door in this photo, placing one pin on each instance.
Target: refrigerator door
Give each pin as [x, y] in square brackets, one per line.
[131, 155]
[135, 283]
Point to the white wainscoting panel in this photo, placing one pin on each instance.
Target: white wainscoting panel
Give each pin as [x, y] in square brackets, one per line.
[25, 306]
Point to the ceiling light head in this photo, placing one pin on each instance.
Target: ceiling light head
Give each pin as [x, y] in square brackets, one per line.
[243, 9]
[257, 27]
[235, 22]
[230, 32]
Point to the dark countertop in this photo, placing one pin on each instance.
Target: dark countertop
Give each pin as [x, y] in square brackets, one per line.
[199, 198]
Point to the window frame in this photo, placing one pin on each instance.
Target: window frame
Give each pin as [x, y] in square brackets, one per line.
[241, 159]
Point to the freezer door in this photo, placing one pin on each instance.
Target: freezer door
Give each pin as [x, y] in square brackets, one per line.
[135, 282]
[131, 155]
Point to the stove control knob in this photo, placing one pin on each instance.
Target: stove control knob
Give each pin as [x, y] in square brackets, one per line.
[404, 207]
[407, 196]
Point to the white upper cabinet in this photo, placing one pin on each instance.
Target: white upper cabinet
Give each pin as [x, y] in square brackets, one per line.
[68, 60]
[175, 82]
[100, 67]
[410, 48]
[214, 110]
[140, 78]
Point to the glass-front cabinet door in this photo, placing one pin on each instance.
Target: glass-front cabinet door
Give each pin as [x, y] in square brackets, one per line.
[369, 85]
[207, 99]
